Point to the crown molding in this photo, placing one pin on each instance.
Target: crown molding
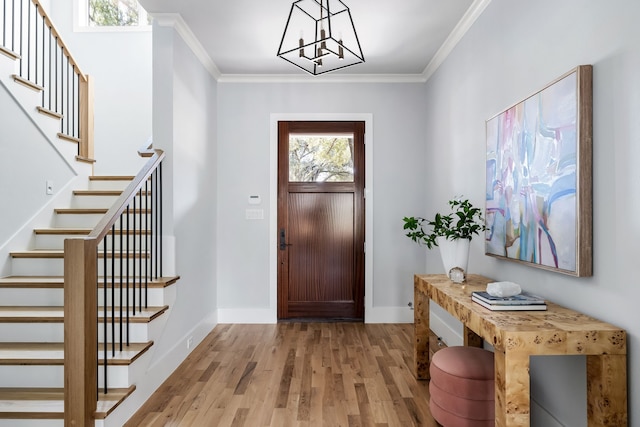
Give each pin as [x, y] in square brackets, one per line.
[176, 21]
[467, 20]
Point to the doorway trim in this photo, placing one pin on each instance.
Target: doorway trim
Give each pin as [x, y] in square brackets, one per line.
[367, 118]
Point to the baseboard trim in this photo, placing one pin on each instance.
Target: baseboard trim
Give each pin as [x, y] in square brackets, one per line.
[247, 315]
[388, 315]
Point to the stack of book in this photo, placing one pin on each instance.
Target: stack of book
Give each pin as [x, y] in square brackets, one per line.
[522, 301]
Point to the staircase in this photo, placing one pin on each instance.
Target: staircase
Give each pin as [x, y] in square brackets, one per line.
[32, 320]
[132, 301]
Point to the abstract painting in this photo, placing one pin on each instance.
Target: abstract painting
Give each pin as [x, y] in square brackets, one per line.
[539, 195]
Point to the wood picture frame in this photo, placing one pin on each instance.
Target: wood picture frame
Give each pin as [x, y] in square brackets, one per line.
[538, 207]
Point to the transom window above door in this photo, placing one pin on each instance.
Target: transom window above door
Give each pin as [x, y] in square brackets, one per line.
[321, 158]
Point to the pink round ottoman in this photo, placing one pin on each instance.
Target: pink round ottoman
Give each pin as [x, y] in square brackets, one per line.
[462, 387]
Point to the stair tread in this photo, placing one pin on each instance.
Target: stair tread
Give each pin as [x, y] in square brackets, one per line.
[8, 52]
[29, 314]
[93, 211]
[48, 403]
[111, 178]
[97, 192]
[59, 253]
[58, 281]
[39, 353]
[81, 231]
[104, 192]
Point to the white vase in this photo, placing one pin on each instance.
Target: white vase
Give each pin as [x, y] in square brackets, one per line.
[454, 253]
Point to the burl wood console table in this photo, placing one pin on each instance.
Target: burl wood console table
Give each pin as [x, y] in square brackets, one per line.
[517, 335]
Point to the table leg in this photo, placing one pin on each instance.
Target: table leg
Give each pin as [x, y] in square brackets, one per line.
[512, 394]
[471, 339]
[607, 390]
[421, 332]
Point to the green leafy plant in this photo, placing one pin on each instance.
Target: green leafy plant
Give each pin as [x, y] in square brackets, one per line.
[463, 222]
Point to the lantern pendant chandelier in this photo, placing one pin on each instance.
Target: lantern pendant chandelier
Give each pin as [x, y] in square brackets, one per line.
[320, 37]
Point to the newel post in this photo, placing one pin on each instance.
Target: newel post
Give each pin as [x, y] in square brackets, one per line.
[86, 118]
[80, 332]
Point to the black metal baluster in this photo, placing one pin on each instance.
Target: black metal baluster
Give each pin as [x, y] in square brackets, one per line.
[20, 34]
[105, 315]
[140, 222]
[44, 85]
[35, 39]
[73, 102]
[128, 254]
[154, 226]
[77, 135]
[133, 293]
[4, 21]
[29, 41]
[62, 56]
[147, 236]
[13, 25]
[113, 289]
[161, 213]
[121, 269]
[68, 97]
[51, 51]
[56, 74]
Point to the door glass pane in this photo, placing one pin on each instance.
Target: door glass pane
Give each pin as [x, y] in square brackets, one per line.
[321, 158]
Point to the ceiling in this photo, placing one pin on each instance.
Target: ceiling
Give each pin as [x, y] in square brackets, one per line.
[399, 38]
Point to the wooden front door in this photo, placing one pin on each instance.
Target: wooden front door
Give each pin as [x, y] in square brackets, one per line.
[321, 220]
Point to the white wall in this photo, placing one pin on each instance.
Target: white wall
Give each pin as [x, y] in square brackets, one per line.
[244, 169]
[185, 128]
[120, 64]
[514, 49]
[22, 189]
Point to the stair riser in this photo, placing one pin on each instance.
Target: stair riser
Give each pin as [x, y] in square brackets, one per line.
[55, 297]
[90, 221]
[55, 266]
[53, 376]
[56, 241]
[108, 185]
[93, 201]
[54, 332]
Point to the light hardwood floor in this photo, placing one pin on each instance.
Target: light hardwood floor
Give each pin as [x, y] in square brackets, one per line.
[294, 374]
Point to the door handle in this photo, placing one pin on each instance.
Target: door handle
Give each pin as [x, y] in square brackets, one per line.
[283, 241]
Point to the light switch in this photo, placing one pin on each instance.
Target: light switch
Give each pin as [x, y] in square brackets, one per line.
[254, 213]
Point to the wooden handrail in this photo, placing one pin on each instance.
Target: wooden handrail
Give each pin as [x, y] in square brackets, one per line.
[56, 33]
[112, 215]
[81, 302]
